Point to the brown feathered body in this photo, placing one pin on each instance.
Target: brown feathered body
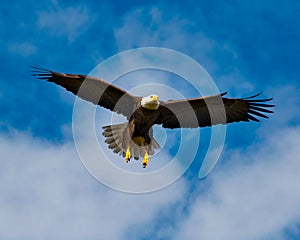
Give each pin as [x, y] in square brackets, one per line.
[137, 134]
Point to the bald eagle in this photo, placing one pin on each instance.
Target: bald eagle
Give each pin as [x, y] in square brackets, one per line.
[135, 137]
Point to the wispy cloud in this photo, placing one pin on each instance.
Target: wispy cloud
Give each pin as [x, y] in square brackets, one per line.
[149, 26]
[24, 49]
[69, 21]
[157, 26]
[255, 196]
[47, 193]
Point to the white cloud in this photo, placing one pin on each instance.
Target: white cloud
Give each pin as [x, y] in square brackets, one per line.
[151, 26]
[69, 22]
[46, 193]
[24, 49]
[255, 196]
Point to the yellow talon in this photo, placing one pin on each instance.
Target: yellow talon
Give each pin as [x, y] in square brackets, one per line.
[128, 155]
[145, 160]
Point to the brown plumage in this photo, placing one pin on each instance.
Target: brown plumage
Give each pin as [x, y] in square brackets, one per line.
[136, 135]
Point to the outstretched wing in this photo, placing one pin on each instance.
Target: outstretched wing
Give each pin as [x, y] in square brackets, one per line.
[92, 89]
[211, 110]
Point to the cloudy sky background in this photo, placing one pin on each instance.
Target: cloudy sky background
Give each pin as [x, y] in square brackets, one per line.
[246, 46]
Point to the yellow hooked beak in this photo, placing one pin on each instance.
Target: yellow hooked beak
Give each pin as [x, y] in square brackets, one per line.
[154, 98]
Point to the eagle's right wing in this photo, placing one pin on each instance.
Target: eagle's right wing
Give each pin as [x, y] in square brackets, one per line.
[95, 90]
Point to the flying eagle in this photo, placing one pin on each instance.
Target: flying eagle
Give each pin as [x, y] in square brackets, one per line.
[135, 137]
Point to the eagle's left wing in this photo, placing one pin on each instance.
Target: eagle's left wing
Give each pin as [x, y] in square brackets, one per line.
[211, 110]
[95, 90]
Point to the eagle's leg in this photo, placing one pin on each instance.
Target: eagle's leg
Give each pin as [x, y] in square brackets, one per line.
[126, 144]
[146, 157]
[127, 155]
[145, 160]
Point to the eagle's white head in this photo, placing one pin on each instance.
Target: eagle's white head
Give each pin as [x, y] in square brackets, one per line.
[150, 102]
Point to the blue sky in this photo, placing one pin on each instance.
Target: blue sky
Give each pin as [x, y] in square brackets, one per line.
[246, 46]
